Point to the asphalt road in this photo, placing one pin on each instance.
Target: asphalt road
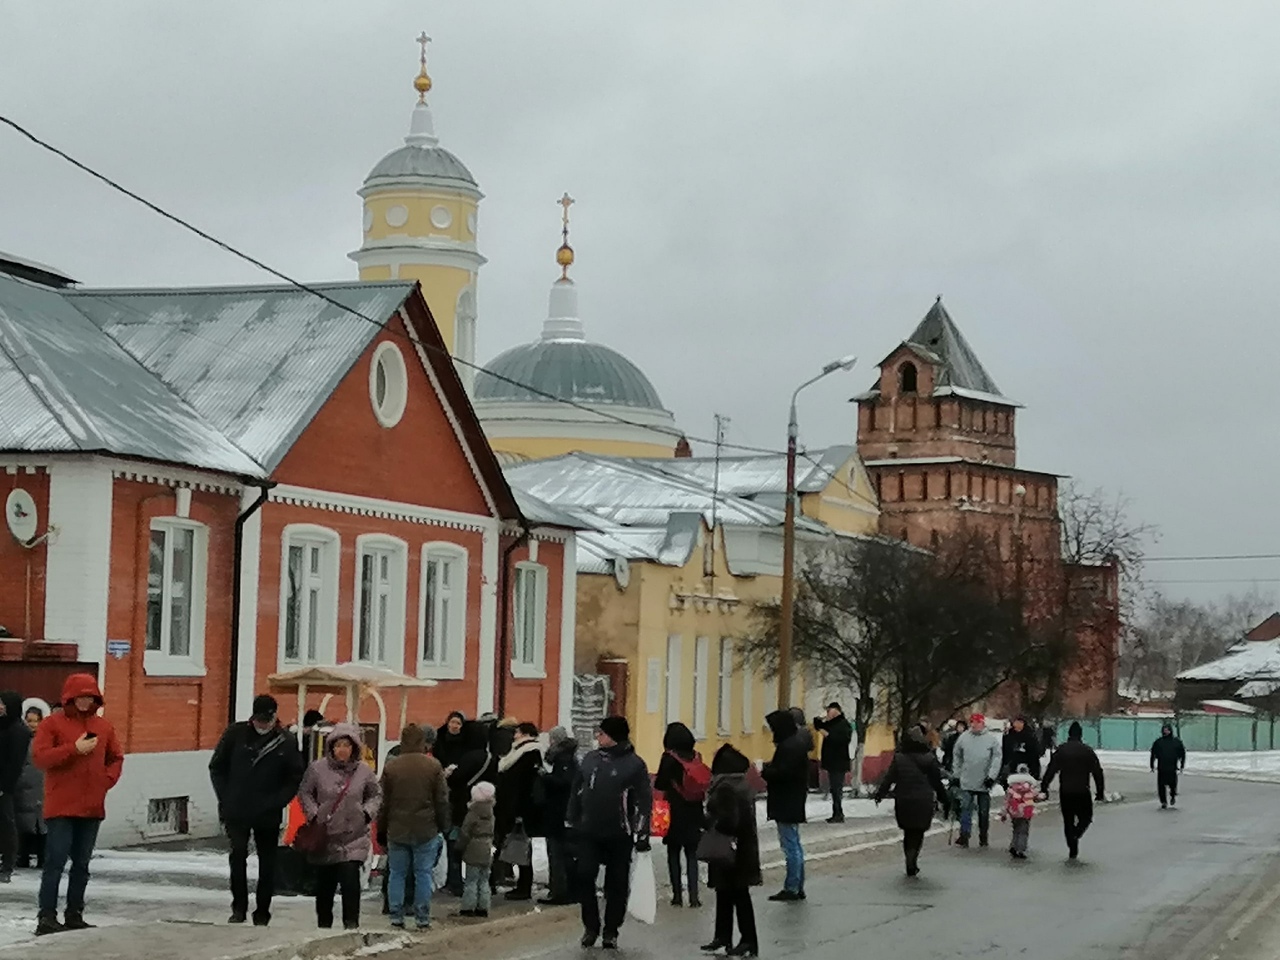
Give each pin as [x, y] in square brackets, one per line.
[1149, 884]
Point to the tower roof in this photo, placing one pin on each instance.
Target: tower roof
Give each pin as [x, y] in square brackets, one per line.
[939, 341]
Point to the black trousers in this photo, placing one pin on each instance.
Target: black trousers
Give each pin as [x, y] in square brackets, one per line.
[729, 900]
[266, 838]
[835, 780]
[1077, 814]
[690, 851]
[912, 843]
[8, 833]
[329, 877]
[562, 869]
[614, 854]
[1167, 785]
[31, 846]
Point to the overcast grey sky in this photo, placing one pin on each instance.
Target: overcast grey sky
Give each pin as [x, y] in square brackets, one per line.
[1092, 187]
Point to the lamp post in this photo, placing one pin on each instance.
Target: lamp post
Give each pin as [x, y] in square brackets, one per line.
[789, 536]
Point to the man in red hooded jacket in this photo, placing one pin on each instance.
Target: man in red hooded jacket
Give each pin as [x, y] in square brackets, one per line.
[82, 760]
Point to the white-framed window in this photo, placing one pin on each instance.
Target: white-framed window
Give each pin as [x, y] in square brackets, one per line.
[724, 688]
[388, 384]
[309, 566]
[442, 611]
[176, 583]
[529, 621]
[380, 600]
[701, 667]
[748, 708]
[674, 653]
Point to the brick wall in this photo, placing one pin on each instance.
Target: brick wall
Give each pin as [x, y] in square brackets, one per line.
[22, 570]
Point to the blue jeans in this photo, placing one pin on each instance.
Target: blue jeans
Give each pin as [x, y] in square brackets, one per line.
[968, 800]
[69, 838]
[421, 858]
[789, 840]
[476, 894]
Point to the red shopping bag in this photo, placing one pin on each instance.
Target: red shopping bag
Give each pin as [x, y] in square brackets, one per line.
[660, 822]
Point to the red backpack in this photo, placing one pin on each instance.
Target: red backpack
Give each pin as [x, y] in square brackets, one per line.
[697, 778]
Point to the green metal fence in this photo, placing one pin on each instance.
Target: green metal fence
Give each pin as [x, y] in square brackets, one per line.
[1199, 731]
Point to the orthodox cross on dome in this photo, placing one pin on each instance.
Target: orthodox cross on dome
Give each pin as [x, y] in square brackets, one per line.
[564, 256]
[422, 83]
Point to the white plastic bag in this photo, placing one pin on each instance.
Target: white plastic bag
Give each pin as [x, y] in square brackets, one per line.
[643, 902]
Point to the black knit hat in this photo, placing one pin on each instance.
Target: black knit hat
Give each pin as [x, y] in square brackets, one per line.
[1075, 731]
[616, 729]
[265, 707]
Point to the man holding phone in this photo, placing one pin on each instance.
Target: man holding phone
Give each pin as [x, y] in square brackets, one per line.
[82, 760]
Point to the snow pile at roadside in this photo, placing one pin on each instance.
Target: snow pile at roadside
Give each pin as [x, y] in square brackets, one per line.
[1254, 765]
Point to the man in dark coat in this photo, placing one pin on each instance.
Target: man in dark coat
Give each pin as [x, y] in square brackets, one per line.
[787, 776]
[1077, 763]
[473, 764]
[686, 815]
[837, 737]
[561, 764]
[915, 779]
[949, 743]
[1168, 756]
[15, 742]
[519, 796]
[256, 768]
[1020, 746]
[609, 807]
[731, 811]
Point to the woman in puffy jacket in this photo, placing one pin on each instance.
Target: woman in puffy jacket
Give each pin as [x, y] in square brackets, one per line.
[731, 811]
[916, 780]
[340, 792]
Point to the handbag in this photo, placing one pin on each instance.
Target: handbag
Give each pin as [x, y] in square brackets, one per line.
[660, 821]
[313, 836]
[517, 848]
[718, 849]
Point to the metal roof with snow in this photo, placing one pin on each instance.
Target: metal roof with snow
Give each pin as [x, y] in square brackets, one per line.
[751, 476]
[1257, 660]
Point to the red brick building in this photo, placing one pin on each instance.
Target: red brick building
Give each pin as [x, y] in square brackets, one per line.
[212, 487]
[938, 439]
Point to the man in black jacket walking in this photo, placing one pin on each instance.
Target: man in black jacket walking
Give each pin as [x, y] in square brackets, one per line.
[1077, 763]
[255, 769]
[787, 776]
[1168, 756]
[609, 808]
[838, 735]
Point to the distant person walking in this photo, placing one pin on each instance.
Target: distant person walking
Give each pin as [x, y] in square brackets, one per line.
[81, 760]
[1021, 793]
[976, 761]
[787, 776]
[561, 762]
[1077, 763]
[837, 738]
[340, 794]
[731, 812]
[682, 778]
[15, 744]
[1168, 757]
[28, 800]
[255, 769]
[609, 807]
[412, 819]
[915, 780]
[475, 842]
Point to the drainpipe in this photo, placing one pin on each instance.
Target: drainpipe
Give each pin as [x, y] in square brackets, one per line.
[237, 573]
[504, 616]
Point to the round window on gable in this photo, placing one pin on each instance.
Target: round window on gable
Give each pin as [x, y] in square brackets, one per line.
[388, 384]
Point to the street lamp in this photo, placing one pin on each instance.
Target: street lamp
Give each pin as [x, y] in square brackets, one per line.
[789, 536]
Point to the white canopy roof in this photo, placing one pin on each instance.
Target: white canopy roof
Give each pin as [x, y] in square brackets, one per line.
[346, 675]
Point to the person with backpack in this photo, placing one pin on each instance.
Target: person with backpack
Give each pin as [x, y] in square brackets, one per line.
[682, 779]
[521, 795]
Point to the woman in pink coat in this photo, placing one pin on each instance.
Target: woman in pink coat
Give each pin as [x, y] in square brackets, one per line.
[340, 791]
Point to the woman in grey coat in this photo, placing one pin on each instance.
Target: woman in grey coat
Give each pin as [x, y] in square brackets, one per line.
[340, 791]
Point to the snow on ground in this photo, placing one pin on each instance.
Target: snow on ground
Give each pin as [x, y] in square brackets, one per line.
[1254, 765]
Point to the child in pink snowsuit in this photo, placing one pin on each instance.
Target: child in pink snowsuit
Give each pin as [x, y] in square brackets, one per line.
[1020, 806]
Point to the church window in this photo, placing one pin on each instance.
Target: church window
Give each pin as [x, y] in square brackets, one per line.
[908, 378]
[388, 384]
[937, 415]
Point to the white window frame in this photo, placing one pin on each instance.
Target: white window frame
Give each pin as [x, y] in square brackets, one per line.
[162, 663]
[748, 708]
[329, 543]
[724, 688]
[521, 666]
[388, 362]
[453, 665]
[397, 551]
[675, 654]
[701, 669]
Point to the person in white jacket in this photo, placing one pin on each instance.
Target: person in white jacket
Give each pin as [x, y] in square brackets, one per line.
[976, 763]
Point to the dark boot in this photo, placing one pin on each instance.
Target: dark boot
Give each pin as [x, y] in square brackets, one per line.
[48, 923]
[962, 840]
[74, 920]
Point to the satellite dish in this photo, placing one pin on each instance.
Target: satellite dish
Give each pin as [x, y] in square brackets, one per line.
[622, 572]
[21, 515]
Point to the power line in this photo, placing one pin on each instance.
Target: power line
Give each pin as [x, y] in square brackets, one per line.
[1234, 556]
[1227, 580]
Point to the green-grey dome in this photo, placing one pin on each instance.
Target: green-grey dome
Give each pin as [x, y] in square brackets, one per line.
[411, 160]
[567, 369]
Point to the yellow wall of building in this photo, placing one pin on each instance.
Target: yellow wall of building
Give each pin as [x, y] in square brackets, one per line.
[370, 274]
[541, 448]
[441, 287]
[848, 503]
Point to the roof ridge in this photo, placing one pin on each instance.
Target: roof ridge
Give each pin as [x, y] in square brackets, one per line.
[227, 288]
